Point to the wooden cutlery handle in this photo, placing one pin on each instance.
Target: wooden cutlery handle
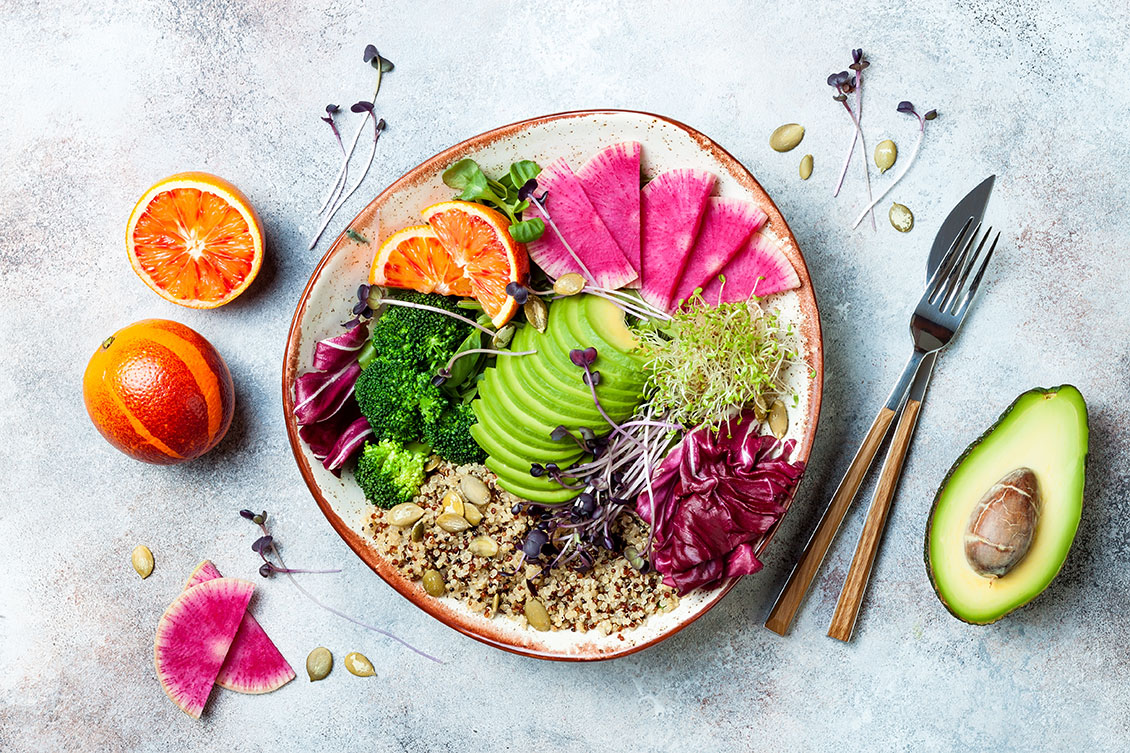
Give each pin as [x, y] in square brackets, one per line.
[847, 608]
[809, 563]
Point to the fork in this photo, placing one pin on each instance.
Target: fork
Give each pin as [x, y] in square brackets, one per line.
[935, 320]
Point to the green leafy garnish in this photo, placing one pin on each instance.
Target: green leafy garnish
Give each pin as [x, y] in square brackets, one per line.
[504, 195]
[356, 236]
[708, 361]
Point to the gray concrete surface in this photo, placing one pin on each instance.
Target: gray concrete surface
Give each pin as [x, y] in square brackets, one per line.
[99, 100]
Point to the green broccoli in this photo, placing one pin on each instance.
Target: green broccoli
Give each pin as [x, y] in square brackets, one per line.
[398, 397]
[450, 435]
[416, 334]
[390, 473]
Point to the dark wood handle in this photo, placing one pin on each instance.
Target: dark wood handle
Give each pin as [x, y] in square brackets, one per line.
[788, 603]
[851, 597]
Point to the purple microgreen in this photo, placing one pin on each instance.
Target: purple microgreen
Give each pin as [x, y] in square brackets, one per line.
[583, 358]
[260, 543]
[591, 377]
[906, 108]
[528, 188]
[441, 377]
[519, 292]
[362, 106]
[857, 54]
[537, 470]
[845, 83]
[560, 433]
[246, 514]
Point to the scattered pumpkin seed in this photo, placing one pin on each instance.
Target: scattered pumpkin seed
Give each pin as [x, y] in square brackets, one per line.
[902, 219]
[142, 560]
[405, 514]
[483, 546]
[359, 665]
[319, 663]
[885, 155]
[418, 531]
[472, 514]
[761, 405]
[778, 419]
[537, 313]
[494, 605]
[433, 583]
[786, 137]
[474, 490]
[806, 167]
[569, 284]
[536, 614]
[453, 503]
[432, 464]
[503, 337]
[635, 559]
[452, 523]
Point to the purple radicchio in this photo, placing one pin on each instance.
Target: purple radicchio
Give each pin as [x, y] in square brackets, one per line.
[714, 497]
[328, 417]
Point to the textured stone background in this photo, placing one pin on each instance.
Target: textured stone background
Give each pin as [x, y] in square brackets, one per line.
[98, 102]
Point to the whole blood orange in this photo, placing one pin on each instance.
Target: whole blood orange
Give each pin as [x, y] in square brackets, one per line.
[159, 392]
[195, 240]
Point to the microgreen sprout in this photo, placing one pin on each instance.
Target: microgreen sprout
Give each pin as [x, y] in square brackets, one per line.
[510, 194]
[908, 109]
[265, 545]
[845, 83]
[375, 297]
[444, 373]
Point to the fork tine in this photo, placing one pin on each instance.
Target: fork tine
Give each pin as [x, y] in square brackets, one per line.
[944, 264]
[950, 304]
[965, 301]
[945, 285]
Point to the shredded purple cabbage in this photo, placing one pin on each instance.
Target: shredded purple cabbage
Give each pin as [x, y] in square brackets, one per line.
[329, 420]
[713, 498]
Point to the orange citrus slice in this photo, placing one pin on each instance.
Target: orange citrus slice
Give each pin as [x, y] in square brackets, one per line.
[413, 258]
[195, 240]
[478, 238]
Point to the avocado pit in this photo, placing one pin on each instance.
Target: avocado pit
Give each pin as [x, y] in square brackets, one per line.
[1002, 524]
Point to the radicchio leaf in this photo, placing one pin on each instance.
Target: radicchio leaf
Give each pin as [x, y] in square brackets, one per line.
[334, 353]
[319, 395]
[347, 444]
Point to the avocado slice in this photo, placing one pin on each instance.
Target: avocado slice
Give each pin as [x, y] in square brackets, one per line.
[1044, 430]
[524, 425]
[520, 458]
[541, 489]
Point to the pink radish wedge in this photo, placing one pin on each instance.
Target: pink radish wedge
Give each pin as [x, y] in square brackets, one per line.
[761, 269]
[726, 227]
[581, 227]
[671, 206]
[253, 664]
[611, 180]
[193, 638]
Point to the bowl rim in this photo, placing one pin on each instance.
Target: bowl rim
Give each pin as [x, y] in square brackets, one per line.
[465, 624]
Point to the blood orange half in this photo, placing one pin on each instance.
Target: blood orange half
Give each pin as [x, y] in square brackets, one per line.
[413, 258]
[195, 240]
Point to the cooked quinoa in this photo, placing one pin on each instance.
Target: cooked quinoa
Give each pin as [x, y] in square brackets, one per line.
[612, 596]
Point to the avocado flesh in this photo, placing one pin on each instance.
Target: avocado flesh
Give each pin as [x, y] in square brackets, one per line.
[1045, 430]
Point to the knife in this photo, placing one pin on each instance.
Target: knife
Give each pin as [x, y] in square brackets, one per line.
[792, 595]
[969, 210]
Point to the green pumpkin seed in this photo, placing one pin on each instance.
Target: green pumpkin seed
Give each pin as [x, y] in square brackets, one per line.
[433, 583]
[319, 663]
[142, 560]
[885, 155]
[494, 605]
[432, 464]
[503, 337]
[537, 313]
[634, 558]
[536, 615]
[806, 167]
[902, 219]
[778, 419]
[786, 137]
[569, 284]
[405, 514]
[483, 546]
[472, 514]
[418, 531]
[474, 490]
[359, 665]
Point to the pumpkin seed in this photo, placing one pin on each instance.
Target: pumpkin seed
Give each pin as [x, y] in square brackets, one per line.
[432, 464]
[494, 605]
[569, 284]
[536, 615]
[761, 406]
[359, 665]
[474, 490]
[902, 219]
[635, 559]
[885, 155]
[806, 167]
[418, 531]
[537, 313]
[452, 523]
[142, 560]
[453, 503]
[778, 419]
[503, 337]
[433, 583]
[405, 514]
[319, 663]
[483, 546]
[786, 137]
[472, 514]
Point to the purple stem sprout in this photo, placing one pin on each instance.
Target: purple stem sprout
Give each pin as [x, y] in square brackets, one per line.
[907, 108]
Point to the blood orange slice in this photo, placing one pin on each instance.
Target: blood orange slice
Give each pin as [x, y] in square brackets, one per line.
[195, 240]
[479, 241]
[413, 258]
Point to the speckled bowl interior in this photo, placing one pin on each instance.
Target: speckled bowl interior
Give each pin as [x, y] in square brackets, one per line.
[329, 295]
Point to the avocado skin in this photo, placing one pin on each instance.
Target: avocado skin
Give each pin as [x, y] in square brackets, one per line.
[957, 464]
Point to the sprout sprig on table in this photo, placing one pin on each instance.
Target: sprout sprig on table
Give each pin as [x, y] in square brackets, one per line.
[845, 83]
[908, 109]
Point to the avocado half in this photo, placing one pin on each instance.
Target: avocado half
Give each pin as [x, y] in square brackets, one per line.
[1044, 430]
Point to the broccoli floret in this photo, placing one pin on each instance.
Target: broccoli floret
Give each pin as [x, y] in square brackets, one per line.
[390, 473]
[398, 398]
[450, 435]
[415, 334]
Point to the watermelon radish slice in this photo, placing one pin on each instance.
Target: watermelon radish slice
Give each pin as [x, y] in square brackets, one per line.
[762, 268]
[582, 227]
[611, 180]
[726, 226]
[193, 638]
[253, 664]
[672, 206]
